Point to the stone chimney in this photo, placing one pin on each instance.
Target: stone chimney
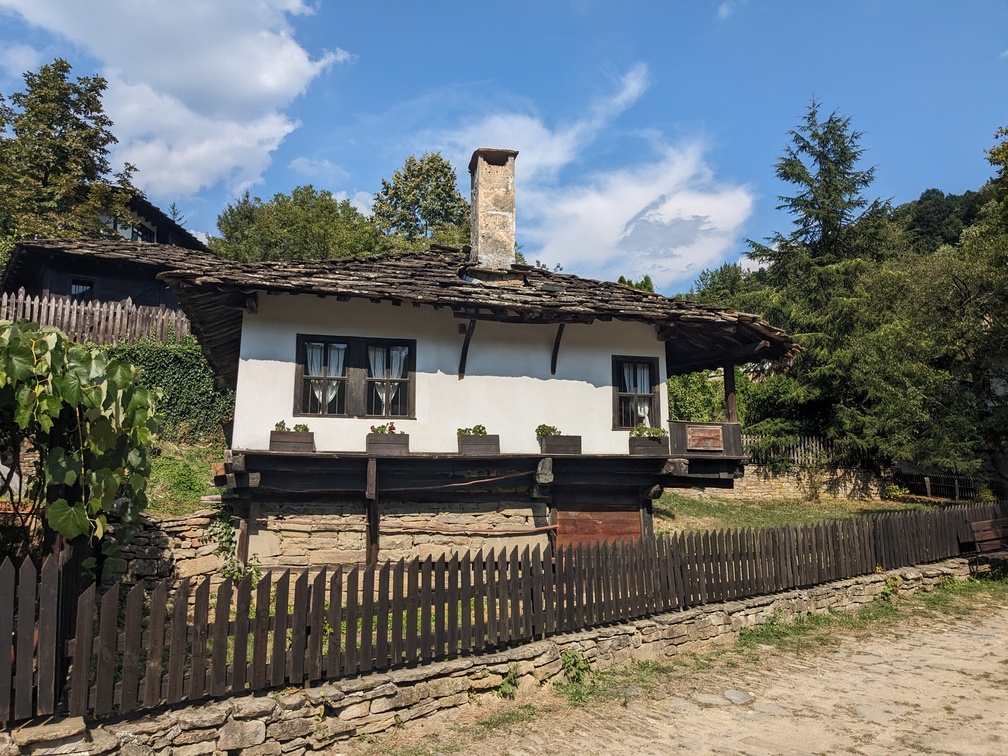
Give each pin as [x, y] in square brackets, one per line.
[493, 208]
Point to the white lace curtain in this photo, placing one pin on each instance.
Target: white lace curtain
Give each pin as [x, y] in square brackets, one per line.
[323, 362]
[397, 357]
[637, 380]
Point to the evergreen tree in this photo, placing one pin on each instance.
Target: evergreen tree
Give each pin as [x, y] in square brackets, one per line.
[55, 175]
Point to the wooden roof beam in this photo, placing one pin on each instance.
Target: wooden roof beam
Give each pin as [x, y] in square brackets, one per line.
[715, 358]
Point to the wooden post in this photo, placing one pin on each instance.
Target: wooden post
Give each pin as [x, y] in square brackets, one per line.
[731, 409]
[373, 515]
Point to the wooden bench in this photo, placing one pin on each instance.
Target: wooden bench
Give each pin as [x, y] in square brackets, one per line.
[990, 539]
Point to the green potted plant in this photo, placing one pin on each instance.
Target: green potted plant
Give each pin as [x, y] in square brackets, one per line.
[297, 439]
[552, 441]
[476, 442]
[385, 441]
[648, 441]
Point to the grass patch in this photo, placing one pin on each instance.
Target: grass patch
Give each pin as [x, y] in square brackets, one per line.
[507, 717]
[676, 512]
[180, 476]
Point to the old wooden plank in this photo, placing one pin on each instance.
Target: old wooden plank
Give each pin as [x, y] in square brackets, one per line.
[334, 649]
[367, 623]
[108, 631]
[129, 695]
[536, 596]
[351, 653]
[299, 626]
[24, 683]
[219, 649]
[243, 606]
[453, 605]
[412, 610]
[80, 673]
[316, 626]
[466, 602]
[260, 632]
[381, 652]
[8, 590]
[480, 599]
[278, 655]
[177, 645]
[440, 606]
[398, 612]
[503, 598]
[549, 590]
[427, 609]
[515, 602]
[48, 616]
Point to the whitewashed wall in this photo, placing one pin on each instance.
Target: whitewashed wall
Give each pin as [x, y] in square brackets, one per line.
[507, 386]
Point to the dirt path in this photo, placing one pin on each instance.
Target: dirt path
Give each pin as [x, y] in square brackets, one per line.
[940, 687]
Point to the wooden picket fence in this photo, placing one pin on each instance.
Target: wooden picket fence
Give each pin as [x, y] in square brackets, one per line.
[299, 628]
[97, 322]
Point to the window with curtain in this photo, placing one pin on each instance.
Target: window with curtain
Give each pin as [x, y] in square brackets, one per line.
[354, 377]
[635, 392]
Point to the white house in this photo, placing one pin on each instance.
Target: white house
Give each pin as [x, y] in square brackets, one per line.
[446, 339]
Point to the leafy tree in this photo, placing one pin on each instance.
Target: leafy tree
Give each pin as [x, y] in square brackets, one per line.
[644, 284]
[55, 176]
[422, 203]
[85, 424]
[307, 224]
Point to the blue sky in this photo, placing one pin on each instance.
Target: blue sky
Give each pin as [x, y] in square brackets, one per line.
[647, 131]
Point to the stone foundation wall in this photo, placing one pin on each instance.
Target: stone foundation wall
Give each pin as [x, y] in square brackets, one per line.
[327, 533]
[301, 721]
[762, 484]
[167, 547]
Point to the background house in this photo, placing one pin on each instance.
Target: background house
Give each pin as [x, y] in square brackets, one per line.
[447, 339]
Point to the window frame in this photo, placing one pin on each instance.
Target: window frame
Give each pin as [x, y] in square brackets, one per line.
[618, 360]
[91, 283]
[356, 374]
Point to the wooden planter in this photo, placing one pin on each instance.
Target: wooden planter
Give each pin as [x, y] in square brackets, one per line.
[292, 441]
[649, 446]
[560, 444]
[388, 444]
[475, 446]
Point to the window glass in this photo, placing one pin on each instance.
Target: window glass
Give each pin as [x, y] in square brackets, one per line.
[634, 382]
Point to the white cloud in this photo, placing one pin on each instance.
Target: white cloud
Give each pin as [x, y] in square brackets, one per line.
[666, 216]
[361, 201]
[725, 10]
[196, 88]
[15, 59]
[188, 151]
[322, 169]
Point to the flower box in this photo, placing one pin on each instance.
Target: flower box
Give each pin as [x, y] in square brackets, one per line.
[292, 441]
[388, 444]
[560, 444]
[479, 445]
[649, 446]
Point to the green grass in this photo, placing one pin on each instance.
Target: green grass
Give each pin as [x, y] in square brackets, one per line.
[180, 475]
[676, 512]
[507, 717]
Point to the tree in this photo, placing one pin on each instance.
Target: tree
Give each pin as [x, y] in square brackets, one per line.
[422, 203]
[306, 224]
[55, 175]
[85, 423]
[644, 284]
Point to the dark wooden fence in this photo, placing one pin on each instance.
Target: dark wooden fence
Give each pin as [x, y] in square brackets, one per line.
[139, 650]
[98, 322]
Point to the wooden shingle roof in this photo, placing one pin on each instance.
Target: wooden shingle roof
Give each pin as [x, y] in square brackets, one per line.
[214, 292]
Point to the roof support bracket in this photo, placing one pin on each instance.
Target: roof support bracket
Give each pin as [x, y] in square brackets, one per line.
[465, 348]
[556, 349]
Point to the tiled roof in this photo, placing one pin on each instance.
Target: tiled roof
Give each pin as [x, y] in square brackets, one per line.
[213, 292]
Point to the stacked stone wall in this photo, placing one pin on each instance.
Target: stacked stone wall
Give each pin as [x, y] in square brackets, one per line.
[167, 547]
[306, 720]
[763, 484]
[290, 535]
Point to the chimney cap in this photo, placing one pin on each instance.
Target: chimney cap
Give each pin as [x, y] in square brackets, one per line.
[492, 155]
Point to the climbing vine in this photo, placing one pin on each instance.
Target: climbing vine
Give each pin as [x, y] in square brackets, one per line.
[75, 427]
